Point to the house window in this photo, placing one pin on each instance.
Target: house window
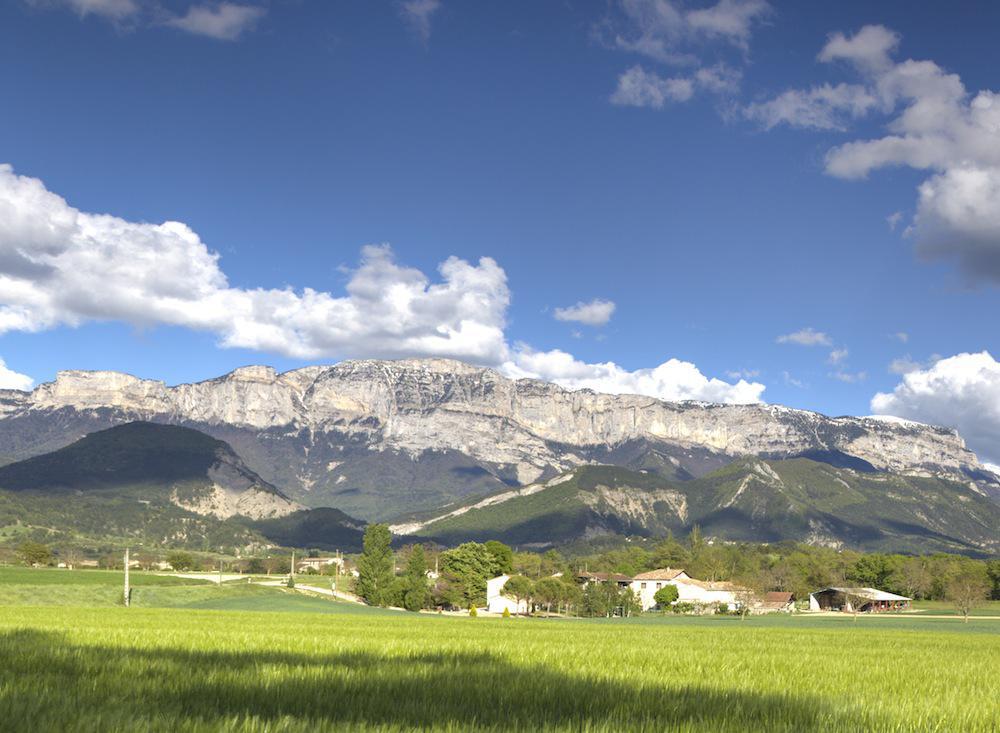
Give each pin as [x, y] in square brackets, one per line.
[658, 586]
[642, 586]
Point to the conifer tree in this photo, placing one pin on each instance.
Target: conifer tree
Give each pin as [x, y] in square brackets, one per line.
[375, 565]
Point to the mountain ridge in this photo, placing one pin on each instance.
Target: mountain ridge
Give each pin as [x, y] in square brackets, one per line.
[751, 499]
[437, 430]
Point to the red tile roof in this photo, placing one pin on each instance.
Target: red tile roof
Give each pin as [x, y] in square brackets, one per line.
[778, 598]
[661, 574]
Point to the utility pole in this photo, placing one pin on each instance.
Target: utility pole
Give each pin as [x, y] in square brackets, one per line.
[128, 589]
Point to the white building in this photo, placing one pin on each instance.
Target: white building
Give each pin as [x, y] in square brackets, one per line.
[496, 601]
[318, 563]
[689, 590]
[645, 585]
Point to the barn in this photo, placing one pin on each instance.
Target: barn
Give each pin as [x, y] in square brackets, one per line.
[864, 600]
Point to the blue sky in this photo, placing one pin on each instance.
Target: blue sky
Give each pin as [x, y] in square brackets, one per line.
[684, 161]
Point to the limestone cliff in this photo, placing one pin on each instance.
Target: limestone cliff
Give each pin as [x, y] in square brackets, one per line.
[449, 416]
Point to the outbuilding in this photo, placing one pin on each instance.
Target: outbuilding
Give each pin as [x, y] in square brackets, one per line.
[862, 600]
[777, 601]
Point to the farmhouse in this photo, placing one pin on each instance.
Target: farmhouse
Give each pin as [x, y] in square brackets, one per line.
[318, 563]
[645, 585]
[867, 600]
[776, 601]
[689, 590]
[496, 601]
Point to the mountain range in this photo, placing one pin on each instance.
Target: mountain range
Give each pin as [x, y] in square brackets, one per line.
[751, 499]
[410, 440]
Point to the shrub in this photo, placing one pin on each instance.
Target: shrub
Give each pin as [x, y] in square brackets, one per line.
[666, 596]
[722, 608]
[473, 612]
[506, 613]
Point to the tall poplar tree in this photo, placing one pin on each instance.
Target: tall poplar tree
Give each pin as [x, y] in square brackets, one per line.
[415, 595]
[375, 567]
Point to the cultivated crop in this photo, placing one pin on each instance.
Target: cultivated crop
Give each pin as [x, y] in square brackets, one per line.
[156, 669]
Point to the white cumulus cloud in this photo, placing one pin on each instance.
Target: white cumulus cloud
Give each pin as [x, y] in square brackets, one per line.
[671, 380]
[806, 337]
[934, 124]
[595, 313]
[9, 379]
[223, 21]
[962, 392]
[62, 266]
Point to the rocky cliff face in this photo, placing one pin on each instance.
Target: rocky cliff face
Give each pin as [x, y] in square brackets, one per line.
[326, 434]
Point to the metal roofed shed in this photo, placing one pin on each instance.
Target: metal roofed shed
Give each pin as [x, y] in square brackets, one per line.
[863, 600]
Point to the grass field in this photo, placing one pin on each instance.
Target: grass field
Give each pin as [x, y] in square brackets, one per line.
[249, 668]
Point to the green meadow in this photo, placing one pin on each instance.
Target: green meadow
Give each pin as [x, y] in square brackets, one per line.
[193, 657]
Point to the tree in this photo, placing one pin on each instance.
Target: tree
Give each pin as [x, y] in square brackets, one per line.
[993, 570]
[669, 553]
[181, 561]
[503, 557]
[415, 581]
[572, 596]
[375, 565]
[967, 588]
[466, 569]
[912, 577]
[749, 591]
[874, 571]
[666, 595]
[550, 591]
[519, 587]
[527, 563]
[255, 566]
[629, 602]
[34, 553]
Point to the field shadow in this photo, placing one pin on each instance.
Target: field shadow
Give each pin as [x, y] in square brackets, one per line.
[453, 689]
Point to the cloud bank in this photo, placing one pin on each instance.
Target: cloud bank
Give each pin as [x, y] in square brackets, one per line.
[962, 392]
[934, 124]
[60, 266]
[671, 380]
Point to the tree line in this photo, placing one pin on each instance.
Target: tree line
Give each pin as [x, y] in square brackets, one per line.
[548, 580]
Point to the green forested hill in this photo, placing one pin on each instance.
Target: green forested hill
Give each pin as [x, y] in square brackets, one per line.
[137, 483]
[749, 500]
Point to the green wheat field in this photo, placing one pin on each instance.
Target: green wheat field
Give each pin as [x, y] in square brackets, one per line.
[192, 657]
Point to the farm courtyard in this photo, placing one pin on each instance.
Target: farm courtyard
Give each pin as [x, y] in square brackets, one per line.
[188, 657]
